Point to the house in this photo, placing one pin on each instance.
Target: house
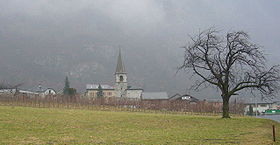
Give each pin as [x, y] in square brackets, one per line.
[13, 92]
[26, 93]
[186, 97]
[260, 106]
[134, 93]
[7, 91]
[46, 92]
[43, 91]
[92, 90]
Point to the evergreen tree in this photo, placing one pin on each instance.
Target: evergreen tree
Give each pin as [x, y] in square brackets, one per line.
[72, 91]
[66, 87]
[100, 92]
[250, 110]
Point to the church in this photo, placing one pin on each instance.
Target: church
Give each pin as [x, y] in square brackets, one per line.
[120, 88]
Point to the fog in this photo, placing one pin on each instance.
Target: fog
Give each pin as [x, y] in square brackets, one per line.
[42, 41]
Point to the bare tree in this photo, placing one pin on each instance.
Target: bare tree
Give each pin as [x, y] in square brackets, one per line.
[230, 64]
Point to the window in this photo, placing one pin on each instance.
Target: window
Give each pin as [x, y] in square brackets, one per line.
[121, 78]
[109, 93]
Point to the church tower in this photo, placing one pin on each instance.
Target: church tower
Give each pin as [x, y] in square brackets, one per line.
[121, 78]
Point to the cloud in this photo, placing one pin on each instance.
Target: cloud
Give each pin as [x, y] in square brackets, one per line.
[151, 30]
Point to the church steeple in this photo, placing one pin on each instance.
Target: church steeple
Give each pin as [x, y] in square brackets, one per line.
[121, 78]
[120, 66]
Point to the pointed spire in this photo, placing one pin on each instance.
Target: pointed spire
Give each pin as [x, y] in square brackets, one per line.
[120, 67]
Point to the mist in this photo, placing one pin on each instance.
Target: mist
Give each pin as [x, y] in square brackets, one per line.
[42, 41]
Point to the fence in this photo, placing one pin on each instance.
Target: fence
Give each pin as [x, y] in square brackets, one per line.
[120, 104]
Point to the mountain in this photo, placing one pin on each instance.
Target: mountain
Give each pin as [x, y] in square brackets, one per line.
[149, 69]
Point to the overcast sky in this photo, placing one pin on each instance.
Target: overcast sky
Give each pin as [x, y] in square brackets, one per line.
[47, 26]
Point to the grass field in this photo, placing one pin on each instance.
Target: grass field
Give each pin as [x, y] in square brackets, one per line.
[25, 125]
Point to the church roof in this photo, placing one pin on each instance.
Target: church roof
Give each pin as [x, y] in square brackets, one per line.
[120, 66]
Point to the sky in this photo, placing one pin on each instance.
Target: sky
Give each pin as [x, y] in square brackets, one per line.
[42, 40]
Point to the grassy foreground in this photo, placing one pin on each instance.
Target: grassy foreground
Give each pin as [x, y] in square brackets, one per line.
[24, 125]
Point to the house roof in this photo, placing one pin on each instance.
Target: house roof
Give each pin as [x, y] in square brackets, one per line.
[40, 89]
[95, 86]
[28, 92]
[134, 89]
[154, 96]
[189, 98]
[186, 97]
[120, 66]
[12, 91]
[7, 90]
[175, 96]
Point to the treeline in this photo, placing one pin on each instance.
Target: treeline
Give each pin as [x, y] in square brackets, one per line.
[119, 104]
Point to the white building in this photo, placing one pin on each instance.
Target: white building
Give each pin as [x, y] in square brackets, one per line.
[120, 89]
[260, 106]
[8, 91]
[48, 91]
[30, 93]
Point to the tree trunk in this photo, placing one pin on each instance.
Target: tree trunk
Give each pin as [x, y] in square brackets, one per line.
[226, 107]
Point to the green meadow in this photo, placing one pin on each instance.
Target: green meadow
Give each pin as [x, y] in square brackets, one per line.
[26, 125]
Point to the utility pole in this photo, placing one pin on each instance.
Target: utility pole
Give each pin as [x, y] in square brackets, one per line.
[256, 104]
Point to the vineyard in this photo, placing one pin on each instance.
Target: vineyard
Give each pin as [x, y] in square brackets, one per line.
[120, 104]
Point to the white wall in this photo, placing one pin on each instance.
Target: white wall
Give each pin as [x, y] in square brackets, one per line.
[260, 107]
[49, 92]
[134, 94]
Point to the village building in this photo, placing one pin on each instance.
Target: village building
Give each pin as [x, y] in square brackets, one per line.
[260, 105]
[28, 93]
[38, 91]
[186, 97]
[120, 89]
[8, 92]
[92, 90]
[43, 91]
